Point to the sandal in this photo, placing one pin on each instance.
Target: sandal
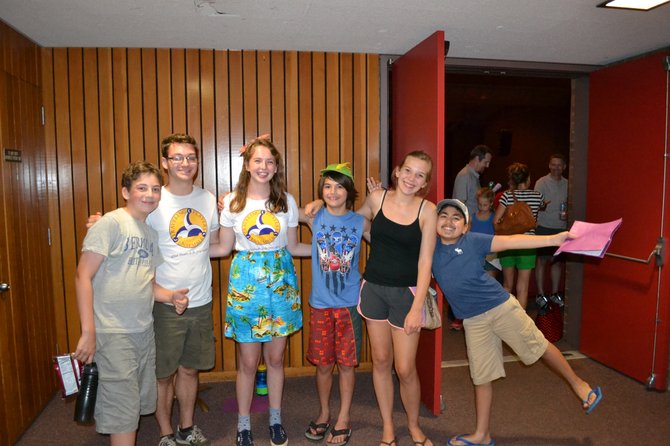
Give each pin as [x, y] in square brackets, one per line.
[421, 443]
[389, 443]
[338, 432]
[317, 432]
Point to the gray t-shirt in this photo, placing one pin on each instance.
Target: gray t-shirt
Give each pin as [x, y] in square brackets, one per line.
[466, 185]
[556, 192]
[122, 287]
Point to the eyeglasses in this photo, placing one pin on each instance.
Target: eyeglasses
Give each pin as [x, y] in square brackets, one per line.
[181, 158]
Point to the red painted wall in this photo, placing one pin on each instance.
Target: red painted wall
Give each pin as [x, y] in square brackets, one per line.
[627, 122]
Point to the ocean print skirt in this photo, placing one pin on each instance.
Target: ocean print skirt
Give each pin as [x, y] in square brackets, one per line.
[263, 296]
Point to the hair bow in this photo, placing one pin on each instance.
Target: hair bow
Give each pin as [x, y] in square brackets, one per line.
[244, 147]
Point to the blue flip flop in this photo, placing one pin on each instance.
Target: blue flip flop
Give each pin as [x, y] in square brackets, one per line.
[468, 443]
[599, 396]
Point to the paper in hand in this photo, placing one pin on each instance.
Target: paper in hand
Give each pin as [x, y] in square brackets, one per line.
[592, 239]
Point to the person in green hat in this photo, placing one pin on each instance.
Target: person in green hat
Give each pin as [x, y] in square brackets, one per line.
[335, 325]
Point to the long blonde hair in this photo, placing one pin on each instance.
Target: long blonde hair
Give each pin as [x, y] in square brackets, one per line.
[277, 201]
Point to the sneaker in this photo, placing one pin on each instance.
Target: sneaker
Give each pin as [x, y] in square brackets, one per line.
[557, 299]
[192, 436]
[244, 438]
[542, 303]
[456, 324]
[278, 435]
[167, 440]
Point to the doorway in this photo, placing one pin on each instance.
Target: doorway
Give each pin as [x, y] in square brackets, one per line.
[521, 119]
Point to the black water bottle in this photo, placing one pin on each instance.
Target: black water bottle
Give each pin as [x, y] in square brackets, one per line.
[85, 406]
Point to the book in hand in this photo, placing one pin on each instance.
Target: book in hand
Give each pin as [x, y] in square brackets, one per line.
[591, 239]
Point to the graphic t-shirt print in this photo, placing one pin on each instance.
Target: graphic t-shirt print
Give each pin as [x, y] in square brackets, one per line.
[336, 248]
[188, 228]
[261, 227]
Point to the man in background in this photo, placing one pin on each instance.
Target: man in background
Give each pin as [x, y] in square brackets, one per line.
[466, 183]
[551, 219]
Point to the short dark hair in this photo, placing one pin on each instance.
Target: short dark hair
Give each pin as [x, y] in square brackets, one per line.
[342, 180]
[559, 156]
[137, 169]
[178, 138]
[480, 152]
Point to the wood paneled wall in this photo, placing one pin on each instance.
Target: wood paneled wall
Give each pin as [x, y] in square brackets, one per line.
[107, 107]
[27, 326]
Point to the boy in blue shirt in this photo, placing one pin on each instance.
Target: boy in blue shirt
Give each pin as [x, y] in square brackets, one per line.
[491, 314]
[335, 325]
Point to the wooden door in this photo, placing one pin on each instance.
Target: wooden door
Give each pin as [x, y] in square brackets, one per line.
[626, 304]
[417, 122]
[27, 326]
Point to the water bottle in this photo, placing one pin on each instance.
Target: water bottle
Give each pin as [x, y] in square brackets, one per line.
[84, 409]
[262, 380]
[563, 214]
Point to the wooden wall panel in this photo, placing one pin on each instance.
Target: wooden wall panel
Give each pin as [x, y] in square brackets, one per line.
[92, 126]
[107, 107]
[150, 137]
[27, 321]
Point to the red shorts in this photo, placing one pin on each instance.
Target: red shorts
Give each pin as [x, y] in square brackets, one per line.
[335, 336]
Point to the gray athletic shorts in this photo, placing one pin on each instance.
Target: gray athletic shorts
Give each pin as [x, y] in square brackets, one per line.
[385, 303]
[183, 339]
[127, 380]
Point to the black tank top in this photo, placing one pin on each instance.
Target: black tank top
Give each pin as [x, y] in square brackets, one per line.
[394, 251]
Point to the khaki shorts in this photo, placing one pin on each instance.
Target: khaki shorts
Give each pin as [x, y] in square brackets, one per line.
[127, 380]
[484, 335]
[183, 339]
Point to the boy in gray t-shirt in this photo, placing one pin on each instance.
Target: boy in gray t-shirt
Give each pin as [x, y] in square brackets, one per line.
[115, 295]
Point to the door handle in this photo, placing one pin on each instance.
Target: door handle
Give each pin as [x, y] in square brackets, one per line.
[4, 287]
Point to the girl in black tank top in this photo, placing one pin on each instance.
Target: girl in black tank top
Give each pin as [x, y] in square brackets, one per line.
[394, 256]
[400, 258]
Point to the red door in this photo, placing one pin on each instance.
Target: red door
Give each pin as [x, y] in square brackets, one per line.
[626, 304]
[417, 122]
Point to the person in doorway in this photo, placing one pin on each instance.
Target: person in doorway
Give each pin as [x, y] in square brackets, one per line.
[551, 219]
[518, 262]
[482, 222]
[491, 314]
[467, 183]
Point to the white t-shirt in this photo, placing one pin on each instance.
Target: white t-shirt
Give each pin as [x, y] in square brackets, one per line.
[256, 228]
[184, 224]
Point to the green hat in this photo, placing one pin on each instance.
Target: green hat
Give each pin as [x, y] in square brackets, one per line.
[342, 168]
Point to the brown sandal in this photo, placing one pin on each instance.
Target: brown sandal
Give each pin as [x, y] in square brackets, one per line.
[389, 443]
